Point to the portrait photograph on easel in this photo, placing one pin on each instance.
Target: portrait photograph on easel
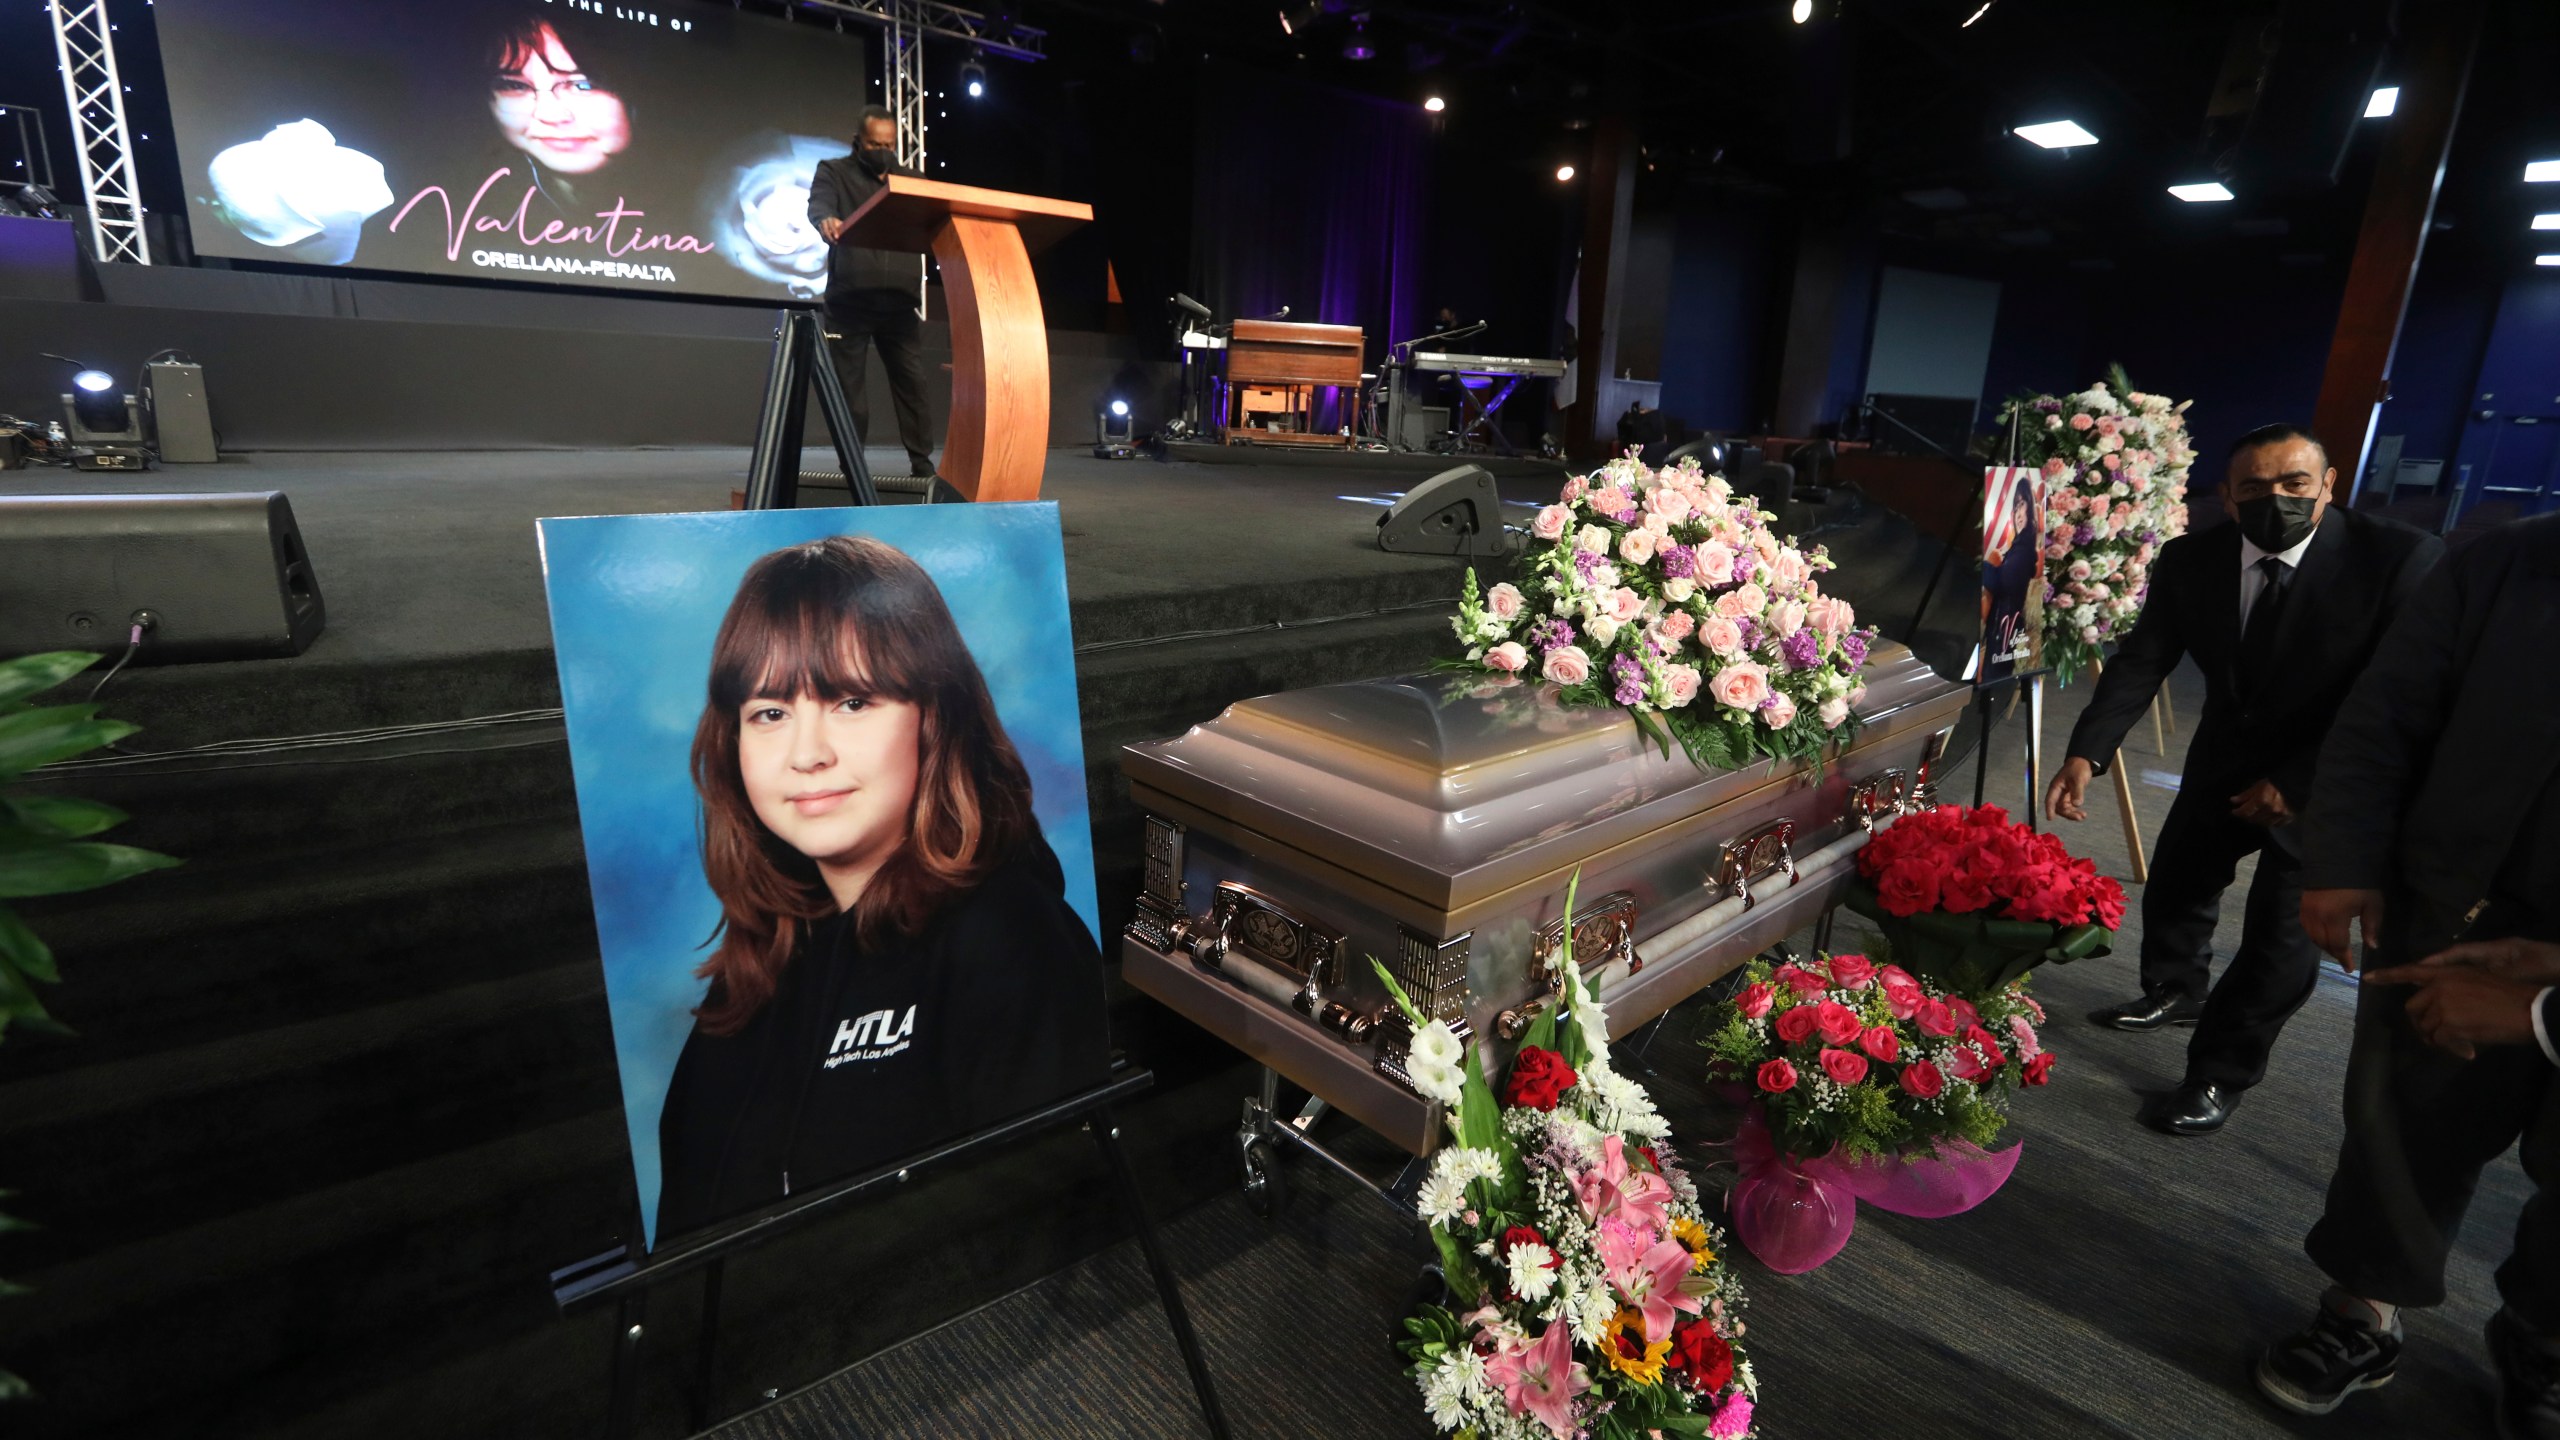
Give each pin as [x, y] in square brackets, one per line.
[835, 816]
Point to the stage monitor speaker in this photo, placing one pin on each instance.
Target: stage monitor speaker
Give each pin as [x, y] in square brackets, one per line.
[1456, 512]
[175, 413]
[225, 577]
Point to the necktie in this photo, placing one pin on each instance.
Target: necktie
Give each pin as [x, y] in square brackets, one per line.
[2258, 637]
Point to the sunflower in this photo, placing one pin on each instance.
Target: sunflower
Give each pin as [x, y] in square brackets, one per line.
[1630, 1354]
[1693, 1238]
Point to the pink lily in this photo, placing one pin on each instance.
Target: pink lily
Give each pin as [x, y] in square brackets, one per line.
[1636, 1197]
[1541, 1378]
[1648, 1273]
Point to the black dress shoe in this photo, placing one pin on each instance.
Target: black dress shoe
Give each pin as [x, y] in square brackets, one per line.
[919, 469]
[2196, 1110]
[2150, 1012]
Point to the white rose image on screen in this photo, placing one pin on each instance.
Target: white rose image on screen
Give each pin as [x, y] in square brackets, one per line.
[761, 215]
[297, 183]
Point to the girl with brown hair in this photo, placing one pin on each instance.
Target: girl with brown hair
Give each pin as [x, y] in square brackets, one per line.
[896, 962]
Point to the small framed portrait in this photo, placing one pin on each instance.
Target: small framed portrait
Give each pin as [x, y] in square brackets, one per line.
[831, 783]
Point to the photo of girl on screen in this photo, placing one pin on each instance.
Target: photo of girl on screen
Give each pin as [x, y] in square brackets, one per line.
[896, 964]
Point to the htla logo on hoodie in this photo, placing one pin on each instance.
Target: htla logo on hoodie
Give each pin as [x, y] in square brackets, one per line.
[875, 1036]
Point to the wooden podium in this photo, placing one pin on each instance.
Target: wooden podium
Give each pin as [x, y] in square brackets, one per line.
[999, 438]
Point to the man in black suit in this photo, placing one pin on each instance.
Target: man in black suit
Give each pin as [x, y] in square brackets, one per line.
[871, 294]
[2434, 828]
[2281, 611]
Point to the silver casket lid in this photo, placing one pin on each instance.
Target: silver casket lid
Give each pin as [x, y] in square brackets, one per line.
[1453, 788]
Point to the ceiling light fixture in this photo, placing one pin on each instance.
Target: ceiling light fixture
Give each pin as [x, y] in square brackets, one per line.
[2546, 222]
[1801, 11]
[1978, 14]
[2204, 191]
[2546, 259]
[1435, 104]
[2384, 101]
[2541, 170]
[2055, 134]
[1564, 172]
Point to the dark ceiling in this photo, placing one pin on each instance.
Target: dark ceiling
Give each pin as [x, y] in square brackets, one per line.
[1901, 110]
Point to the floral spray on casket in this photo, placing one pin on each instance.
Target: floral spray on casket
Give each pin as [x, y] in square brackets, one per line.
[1663, 592]
[1886, 1082]
[1588, 1293]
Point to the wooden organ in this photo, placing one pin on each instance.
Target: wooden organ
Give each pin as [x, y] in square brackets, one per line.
[1275, 368]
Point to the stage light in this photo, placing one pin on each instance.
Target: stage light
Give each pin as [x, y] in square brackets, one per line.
[1564, 172]
[2055, 134]
[973, 75]
[1358, 47]
[97, 406]
[1435, 104]
[1114, 432]
[1978, 14]
[1293, 17]
[2203, 191]
[1802, 11]
[2384, 101]
[2541, 170]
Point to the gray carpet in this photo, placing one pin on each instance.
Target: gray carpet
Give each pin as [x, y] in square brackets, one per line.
[2119, 1285]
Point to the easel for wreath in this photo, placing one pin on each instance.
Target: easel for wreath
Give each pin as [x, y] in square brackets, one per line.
[2027, 685]
[625, 1276]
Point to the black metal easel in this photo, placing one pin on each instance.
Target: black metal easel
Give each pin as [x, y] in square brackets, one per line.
[800, 360]
[1984, 693]
[626, 1277]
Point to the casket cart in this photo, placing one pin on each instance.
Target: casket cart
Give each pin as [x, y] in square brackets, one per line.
[1433, 822]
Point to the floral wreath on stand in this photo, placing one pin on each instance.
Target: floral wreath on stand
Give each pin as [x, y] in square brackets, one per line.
[2115, 468]
[1588, 1294]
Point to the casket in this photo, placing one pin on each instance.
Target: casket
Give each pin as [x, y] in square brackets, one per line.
[1433, 822]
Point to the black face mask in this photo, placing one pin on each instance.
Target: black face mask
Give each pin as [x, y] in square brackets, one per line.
[874, 158]
[2277, 523]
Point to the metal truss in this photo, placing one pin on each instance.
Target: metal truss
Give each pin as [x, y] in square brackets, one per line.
[951, 22]
[86, 43]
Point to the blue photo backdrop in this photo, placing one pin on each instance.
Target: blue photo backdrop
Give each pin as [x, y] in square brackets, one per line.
[636, 601]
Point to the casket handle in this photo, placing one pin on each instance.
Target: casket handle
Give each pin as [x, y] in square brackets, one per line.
[1887, 792]
[1771, 847]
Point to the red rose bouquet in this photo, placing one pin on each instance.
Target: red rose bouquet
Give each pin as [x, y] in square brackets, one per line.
[1973, 901]
[1867, 1083]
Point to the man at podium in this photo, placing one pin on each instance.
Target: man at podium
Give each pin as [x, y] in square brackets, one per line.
[871, 294]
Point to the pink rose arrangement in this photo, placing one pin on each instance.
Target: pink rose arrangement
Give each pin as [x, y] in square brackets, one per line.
[1660, 591]
[1849, 1058]
[2115, 461]
[1588, 1294]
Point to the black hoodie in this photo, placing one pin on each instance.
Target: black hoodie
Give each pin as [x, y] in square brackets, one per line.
[866, 1055]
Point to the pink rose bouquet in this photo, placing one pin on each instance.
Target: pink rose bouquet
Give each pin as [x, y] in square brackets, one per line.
[2115, 461]
[1660, 591]
[1587, 1295]
[1865, 1082]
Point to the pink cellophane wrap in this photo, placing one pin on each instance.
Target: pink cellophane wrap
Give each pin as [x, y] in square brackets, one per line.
[1796, 1214]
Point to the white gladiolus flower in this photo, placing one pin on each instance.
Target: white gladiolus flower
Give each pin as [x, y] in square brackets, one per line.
[1435, 1043]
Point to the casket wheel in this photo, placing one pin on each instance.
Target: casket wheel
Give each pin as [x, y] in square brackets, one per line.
[1266, 1189]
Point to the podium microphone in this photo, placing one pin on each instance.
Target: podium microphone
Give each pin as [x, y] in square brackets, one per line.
[1189, 306]
[1280, 314]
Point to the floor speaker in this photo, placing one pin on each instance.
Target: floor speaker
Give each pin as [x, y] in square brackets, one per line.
[224, 577]
[1456, 512]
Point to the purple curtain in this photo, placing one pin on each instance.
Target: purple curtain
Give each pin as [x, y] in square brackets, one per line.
[1309, 197]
